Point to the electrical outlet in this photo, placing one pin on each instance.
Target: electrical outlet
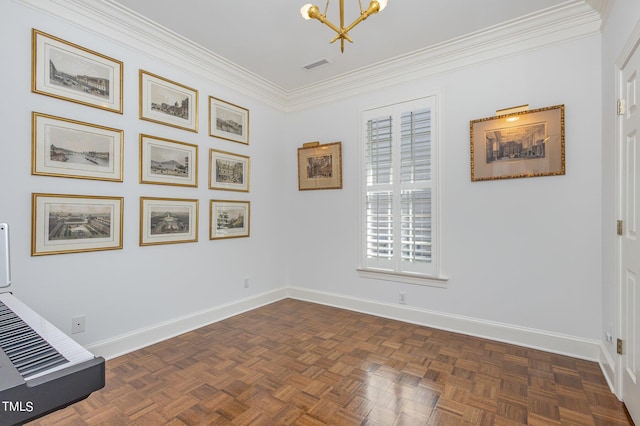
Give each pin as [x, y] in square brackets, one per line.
[246, 282]
[78, 324]
[403, 298]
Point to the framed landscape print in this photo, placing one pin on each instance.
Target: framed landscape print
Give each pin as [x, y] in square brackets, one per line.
[228, 219]
[320, 166]
[69, 148]
[519, 145]
[168, 221]
[168, 162]
[227, 171]
[228, 121]
[67, 71]
[166, 102]
[75, 223]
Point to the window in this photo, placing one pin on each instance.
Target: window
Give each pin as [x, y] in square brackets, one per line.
[400, 192]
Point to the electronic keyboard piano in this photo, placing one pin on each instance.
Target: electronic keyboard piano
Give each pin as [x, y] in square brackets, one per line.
[41, 368]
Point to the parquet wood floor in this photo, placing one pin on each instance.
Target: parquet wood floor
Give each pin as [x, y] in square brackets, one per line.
[299, 363]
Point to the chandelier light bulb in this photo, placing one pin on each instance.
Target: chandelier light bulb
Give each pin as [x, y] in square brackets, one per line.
[304, 10]
[383, 4]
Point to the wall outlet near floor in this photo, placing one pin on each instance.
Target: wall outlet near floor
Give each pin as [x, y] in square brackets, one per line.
[78, 324]
[403, 298]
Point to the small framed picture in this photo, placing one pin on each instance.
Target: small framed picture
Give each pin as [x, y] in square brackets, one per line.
[228, 121]
[67, 71]
[75, 223]
[168, 162]
[69, 148]
[320, 166]
[518, 145]
[166, 102]
[228, 219]
[168, 221]
[227, 171]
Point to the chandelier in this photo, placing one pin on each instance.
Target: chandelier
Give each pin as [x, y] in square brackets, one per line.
[310, 11]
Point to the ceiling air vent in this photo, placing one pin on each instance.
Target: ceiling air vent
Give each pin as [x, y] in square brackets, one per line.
[316, 64]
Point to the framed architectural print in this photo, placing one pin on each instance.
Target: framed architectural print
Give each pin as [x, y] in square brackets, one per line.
[320, 166]
[75, 223]
[168, 162]
[168, 221]
[69, 148]
[227, 171]
[228, 121]
[518, 145]
[228, 219]
[167, 102]
[67, 71]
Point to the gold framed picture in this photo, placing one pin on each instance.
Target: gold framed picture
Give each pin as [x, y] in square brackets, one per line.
[320, 166]
[67, 71]
[228, 171]
[518, 145]
[75, 223]
[168, 162]
[168, 221]
[68, 148]
[229, 219]
[166, 102]
[228, 121]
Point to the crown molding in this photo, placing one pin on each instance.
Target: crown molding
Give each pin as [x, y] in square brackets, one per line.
[112, 21]
[570, 20]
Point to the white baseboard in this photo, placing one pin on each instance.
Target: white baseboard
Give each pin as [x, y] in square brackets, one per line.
[608, 367]
[537, 339]
[528, 337]
[120, 345]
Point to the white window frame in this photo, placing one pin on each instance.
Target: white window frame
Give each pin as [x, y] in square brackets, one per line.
[433, 275]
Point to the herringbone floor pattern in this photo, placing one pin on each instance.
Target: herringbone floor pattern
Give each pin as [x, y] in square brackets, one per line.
[298, 363]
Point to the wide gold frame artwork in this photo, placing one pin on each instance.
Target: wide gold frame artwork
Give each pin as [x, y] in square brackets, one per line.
[518, 145]
[320, 166]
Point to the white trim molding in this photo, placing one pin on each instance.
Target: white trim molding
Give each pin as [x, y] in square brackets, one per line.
[128, 342]
[569, 20]
[562, 344]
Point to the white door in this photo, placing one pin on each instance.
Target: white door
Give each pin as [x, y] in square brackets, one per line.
[630, 240]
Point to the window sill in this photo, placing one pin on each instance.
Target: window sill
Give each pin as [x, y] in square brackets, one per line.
[400, 277]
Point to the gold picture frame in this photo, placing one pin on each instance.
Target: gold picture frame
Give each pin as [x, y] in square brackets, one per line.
[518, 145]
[229, 171]
[168, 162]
[229, 219]
[166, 102]
[67, 71]
[168, 220]
[320, 166]
[63, 223]
[68, 148]
[228, 121]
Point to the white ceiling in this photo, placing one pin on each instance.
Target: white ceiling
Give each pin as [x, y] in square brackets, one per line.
[271, 40]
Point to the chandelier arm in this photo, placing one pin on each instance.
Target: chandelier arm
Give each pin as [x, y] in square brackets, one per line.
[341, 14]
[328, 23]
[374, 7]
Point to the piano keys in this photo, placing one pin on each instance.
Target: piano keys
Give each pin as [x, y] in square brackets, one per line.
[41, 368]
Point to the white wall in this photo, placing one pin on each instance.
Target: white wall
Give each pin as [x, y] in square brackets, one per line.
[122, 291]
[622, 19]
[523, 252]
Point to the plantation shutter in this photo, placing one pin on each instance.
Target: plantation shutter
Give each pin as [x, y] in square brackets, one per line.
[399, 191]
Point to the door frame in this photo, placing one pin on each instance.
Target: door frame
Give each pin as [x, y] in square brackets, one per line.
[631, 46]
